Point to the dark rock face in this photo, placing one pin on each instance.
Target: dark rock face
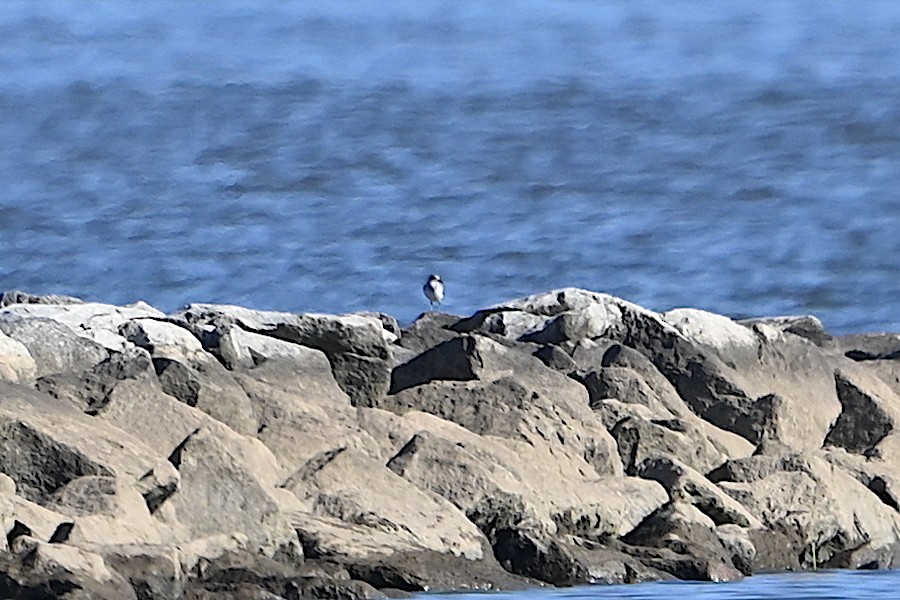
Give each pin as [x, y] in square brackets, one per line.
[564, 438]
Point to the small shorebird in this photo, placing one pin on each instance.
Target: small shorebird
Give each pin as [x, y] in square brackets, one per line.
[434, 290]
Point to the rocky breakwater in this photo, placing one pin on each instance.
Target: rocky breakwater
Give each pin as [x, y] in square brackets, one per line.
[564, 438]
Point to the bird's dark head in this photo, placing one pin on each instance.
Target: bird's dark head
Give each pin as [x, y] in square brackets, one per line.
[434, 277]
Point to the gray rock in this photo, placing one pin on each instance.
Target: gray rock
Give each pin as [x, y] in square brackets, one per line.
[722, 370]
[686, 485]
[105, 510]
[301, 409]
[463, 358]
[54, 347]
[187, 372]
[429, 330]
[690, 547]
[89, 391]
[870, 411]
[501, 483]
[805, 326]
[96, 322]
[349, 486]
[870, 346]
[228, 486]
[358, 347]
[16, 363]
[639, 438]
[20, 297]
[204, 384]
[820, 511]
[154, 572]
[36, 569]
[554, 317]
[45, 443]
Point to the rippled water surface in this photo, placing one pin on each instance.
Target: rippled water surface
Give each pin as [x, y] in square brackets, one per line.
[738, 157]
[830, 585]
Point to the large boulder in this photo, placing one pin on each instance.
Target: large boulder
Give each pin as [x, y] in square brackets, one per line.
[90, 390]
[350, 486]
[105, 510]
[53, 346]
[189, 373]
[357, 346]
[41, 570]
[682, 541]
[818, 512]
[45, 443]
[492, 389]
[93, 321]
[686, 485]
[301, 409]
[760, 383]
[228, 485]
[508, 483]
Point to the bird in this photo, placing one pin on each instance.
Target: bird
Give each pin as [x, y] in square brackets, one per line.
[434, 289]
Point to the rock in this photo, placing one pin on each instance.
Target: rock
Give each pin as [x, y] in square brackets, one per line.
[813, 505]
[153, 572]
[90, 391]
[161, 338]
[331, 589]
[870, 346]
[54, 347]
[432, 572]
[555, 358]
[16, 363]
[7, 485]
[738, 544]
[463, 358]
[239, 573]
[301, 409]
[429, 330]
[105, 510]
[730, 375]
[805, 326]
[681, 529]
[881, 476]
[187, 372]
[228, 452]
[204, 384]
[239, 349]
[45, 443]
[19, 297]
[358, 347]
[33, 519]
[870, 411]
[227, 486]
[623, 384]
[504, 483]
[527, 554]
[146, 412]
[349, 486]
[511, 324]
[639, 439]
[686, 485]
[508, 394]
[553, 317]
[96, 322]
[36, 568]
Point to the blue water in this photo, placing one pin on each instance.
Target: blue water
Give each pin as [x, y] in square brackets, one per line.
[738, 157]
[823, 585]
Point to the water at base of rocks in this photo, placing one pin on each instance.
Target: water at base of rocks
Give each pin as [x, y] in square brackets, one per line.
[823, 585]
